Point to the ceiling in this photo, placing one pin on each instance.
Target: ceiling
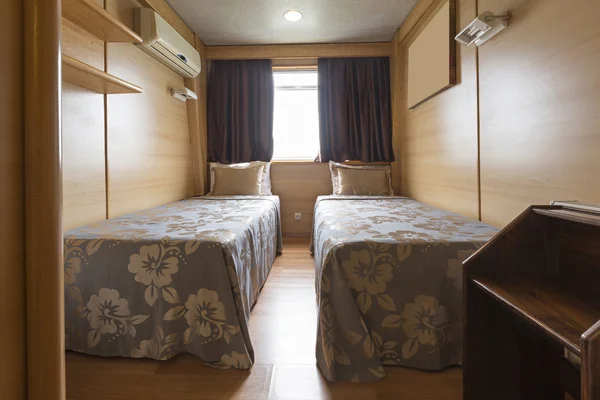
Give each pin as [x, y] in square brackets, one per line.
[253, 22]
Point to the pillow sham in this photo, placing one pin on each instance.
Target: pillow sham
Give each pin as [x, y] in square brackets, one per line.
[265, 189]
[238, 181]
[365, 180]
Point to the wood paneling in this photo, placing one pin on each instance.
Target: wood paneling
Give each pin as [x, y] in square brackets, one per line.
[298, 185]
[92, 17]
[284, 313]
[148, 148]
[12, 219]
[539, 99]
[149, 151]
[397, 63]
[84, 185]
[43, 205]
[438, 140]
[298, 51]
[81, 45]
[197, 121]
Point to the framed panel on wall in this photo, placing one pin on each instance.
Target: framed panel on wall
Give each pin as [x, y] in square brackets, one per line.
[432, 56]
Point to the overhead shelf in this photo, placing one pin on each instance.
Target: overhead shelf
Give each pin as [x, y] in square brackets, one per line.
[84, 75]
[96, 20]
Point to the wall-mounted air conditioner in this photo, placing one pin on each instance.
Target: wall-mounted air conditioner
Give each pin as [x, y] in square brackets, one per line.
[165, 44]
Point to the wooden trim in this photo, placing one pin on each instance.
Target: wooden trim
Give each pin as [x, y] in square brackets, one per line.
[590, 370]
[478, 117]
[298, 51]
[12, 217]
[414, 22]
[282, 68]
[106, 170]
[197, 123]
[86, 76]
[91, 17]
[43, 202]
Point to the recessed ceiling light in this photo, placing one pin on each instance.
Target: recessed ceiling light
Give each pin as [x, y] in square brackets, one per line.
[293, 15]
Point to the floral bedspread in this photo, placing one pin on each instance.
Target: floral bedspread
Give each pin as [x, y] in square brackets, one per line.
[389, 284]
[181, 277]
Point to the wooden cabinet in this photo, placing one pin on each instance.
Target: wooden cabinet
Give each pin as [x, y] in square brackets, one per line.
[532, 297]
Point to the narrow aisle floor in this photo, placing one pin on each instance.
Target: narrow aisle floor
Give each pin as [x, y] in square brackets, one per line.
[283, 329]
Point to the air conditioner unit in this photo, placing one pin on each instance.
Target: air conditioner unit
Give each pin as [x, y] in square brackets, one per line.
[164, 43]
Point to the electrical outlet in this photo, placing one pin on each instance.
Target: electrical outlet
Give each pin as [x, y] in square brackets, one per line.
[297, 216]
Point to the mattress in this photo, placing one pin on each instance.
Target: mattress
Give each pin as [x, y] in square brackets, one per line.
[389, 284]
[181, 277]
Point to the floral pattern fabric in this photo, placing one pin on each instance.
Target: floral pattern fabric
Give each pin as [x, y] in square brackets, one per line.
[389, 284]
[181, 277]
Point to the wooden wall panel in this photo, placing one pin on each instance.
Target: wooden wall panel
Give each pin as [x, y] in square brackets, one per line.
[540, 96]
[298, 185]
[438, 139]
[81, 45]
[84, 185]
[396, 85]
[197, 121]
[298, 51]
[149, 151]
[12, 258]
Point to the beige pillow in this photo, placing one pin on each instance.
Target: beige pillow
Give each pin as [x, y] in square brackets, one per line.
[366, 180]
[237, 181]
[265, 189]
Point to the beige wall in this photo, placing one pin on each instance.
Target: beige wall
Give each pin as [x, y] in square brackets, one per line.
[123, 153]
[438, 139]
[12, 268]
[298, 185]
[538, 99]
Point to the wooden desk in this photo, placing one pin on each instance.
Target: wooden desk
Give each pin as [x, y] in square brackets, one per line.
[531, 295]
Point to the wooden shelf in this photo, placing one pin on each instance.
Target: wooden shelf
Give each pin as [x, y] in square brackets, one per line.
[545, 305]
[90, 16]
[84, 75]
[570, 215]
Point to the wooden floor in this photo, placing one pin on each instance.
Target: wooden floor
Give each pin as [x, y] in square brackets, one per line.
[283, 329]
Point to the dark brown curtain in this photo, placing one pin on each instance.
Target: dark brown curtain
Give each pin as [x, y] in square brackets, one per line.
[240, 111]
[355, 109]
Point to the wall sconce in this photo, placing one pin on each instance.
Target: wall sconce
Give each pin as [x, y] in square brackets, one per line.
[183, 94]
[483, 28]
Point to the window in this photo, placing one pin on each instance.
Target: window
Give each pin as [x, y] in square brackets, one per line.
[296, 116]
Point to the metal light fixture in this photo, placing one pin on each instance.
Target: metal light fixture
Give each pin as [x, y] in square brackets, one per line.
[183, 94]
[483, 28]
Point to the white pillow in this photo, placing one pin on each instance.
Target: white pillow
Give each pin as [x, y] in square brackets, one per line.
[266, 183]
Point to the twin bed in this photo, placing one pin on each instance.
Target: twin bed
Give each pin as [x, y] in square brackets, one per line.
[181, 277]
[389, 284]
[184, 276]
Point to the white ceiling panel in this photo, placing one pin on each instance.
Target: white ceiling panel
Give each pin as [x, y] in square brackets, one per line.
[254, 22]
